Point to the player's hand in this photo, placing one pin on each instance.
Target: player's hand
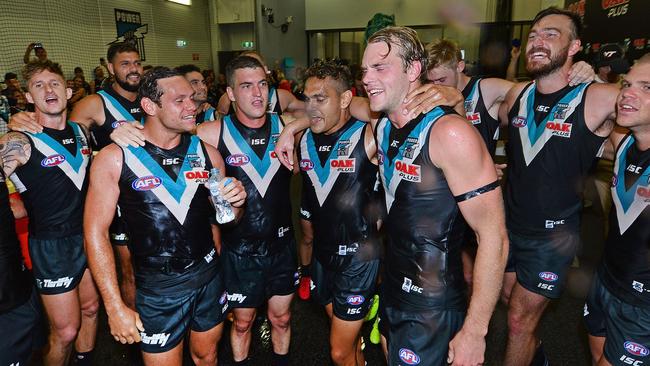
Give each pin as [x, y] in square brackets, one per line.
[125, 325]
[128, 134]
[466, 349]
[24, 122]
[284, 148]
[500, 168]
[581, 72]
[233, 191]
[127, 290]
[428, 96]
[515, 52]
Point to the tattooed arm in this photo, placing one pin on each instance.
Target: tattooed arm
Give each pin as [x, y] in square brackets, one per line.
[15, 150]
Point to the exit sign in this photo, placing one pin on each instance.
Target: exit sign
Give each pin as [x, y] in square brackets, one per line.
[248, 44]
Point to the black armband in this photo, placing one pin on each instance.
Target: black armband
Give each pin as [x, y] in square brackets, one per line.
[478, 191]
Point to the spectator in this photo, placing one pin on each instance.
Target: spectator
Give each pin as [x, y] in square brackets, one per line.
[12, 83]
[39, 51]
[79, 72]
[100, 78]
[610, 63]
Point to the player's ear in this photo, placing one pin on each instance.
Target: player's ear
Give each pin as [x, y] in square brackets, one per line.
[346, 99]
[149, 106]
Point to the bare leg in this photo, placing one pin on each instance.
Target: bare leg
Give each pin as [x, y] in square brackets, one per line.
[279, 313]
[240, 332]
[64, 315]
[173, 357]
[203, 346]
[89, 301]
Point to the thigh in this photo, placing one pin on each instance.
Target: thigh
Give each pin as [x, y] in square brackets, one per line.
[353, 288]
[281, 272]
[58, 264]
[171, 357]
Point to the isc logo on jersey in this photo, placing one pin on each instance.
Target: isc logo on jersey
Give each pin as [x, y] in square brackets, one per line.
[306, 165]
[146, 183]
[409, 357]
[409, 172]
[355, 300]
[238, 159]
[197, 176]
[343, 165]
[475, 118]
[560, 129]
[52, 160]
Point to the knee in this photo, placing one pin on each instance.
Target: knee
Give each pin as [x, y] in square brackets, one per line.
[307, 240]
[520, 322]
[280, 321]
[242, 325]
[65, 335]
[339, 355]
[89, 309]
[205, 357]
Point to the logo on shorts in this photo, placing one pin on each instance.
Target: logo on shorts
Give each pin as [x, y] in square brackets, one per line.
[355, 300]
[49, 283]
[223, 298]
[408, 356]
[238, 159]
[238, 298]
[548, 276]
[519, 122]
[146, 183]
[636, 349]
[52, 160]
[158, 338]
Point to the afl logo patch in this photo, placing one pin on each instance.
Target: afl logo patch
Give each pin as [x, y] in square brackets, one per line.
[518, 122]
[238, 159]
[223, 298]
[548, 276]
[636, 349]
[306, 165]
[146, 183]
[409, 357]
[355, 300]
[117, 124]
[52, 160]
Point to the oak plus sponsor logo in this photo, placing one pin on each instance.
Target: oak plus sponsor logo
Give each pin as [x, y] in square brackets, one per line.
[560, 129]
[197, 176]
[407, 171]
[146, 183]
[155, 339]
[475, 118]
[52, 161]
[343, 165]
[615, 8]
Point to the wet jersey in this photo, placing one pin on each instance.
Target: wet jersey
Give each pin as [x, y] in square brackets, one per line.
[116, 109]
[53, 182]
[625, 270]
[550, 150]
[206, 115]
[424, 226]
[248, 153]
[164, 201]
[273, 103]
[15, 280]
[339, 191]
[477, 113]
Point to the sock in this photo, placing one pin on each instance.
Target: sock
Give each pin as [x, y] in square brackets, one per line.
[84, 358]
[280, 360]
[243, 362]
[306, 270]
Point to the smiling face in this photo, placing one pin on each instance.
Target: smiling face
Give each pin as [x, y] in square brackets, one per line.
[48, 92]
[324, 103]
[549, 45]
[384, 77]
[633, 101]
[177, 109]
[127, 68]
[250, 92]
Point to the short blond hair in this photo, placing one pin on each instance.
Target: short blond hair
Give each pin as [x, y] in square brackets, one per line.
[443, 53]
[410, 48]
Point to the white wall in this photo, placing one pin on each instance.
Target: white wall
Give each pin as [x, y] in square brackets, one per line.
[76, 32]
[341, 14]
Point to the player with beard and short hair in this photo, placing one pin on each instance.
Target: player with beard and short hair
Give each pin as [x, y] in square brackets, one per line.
[555, 133]
[205, 112]
[49, 169]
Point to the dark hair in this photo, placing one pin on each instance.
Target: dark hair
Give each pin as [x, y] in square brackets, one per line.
[36, 66]
[78, 69]
[10, 75]
[121, 47]
[184, 69]
[337, 72]
[240, 62]
[576, 22]
[409, 47]
[149, 85]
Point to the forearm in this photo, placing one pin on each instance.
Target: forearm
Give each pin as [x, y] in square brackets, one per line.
[511, 73]
[297, 125]
[489, 267]
[102, 265]
[126, 265]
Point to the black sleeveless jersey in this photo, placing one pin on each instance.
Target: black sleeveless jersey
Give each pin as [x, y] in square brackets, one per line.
[53, 182]
[477, 113]
[550, 150]
[273, 105]
[248, 153]
[164, 201]
[424, 225]
[339, 179]
[205, 116]
[15, 280]
[625, 270]
[116, 109]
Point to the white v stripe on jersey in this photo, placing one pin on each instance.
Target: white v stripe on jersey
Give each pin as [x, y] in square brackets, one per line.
[626, 216]
[114, 111]
[77, 177]
[178, 208]
[261, 182]
[323, 190]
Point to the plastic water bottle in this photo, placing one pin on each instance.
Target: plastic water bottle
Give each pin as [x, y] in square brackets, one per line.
[224, 210]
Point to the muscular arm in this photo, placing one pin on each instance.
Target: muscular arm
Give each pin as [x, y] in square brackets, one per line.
[88, 111]
[101, 200]
[612, 142]
[507, 103]
[209, 132]
[458, 150]
[494, 91]
[600, 108]
[291, 104]
[15, 151]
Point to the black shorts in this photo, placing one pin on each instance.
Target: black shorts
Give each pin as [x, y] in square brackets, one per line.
[22, 331]
[347, 283]
[58, 264]
[626, 327]
[542, 264]
[167, 318]
[252, 280]
[418, 337]
[118, 229]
